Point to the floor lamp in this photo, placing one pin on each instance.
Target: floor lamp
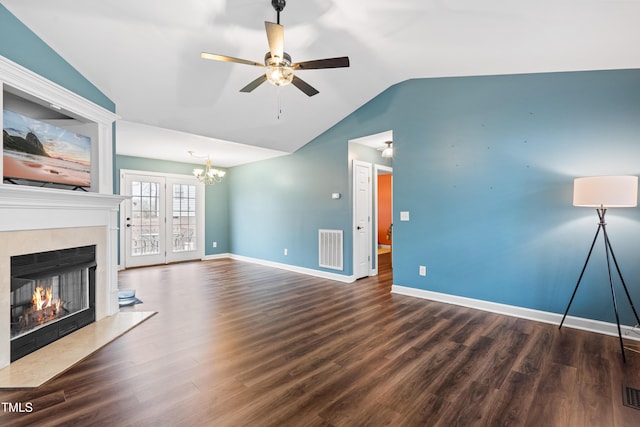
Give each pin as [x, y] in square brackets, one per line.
[604, 192]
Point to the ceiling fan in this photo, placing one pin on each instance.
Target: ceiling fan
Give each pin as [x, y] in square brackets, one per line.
[280, 69]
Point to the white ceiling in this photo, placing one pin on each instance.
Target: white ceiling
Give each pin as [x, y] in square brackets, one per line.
[145, 56]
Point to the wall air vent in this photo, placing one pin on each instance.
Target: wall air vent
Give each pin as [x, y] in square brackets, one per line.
[330, 253]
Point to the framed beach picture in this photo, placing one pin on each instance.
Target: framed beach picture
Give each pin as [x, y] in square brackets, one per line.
[37, 151]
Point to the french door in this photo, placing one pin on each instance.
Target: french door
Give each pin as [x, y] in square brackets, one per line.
[163, 218]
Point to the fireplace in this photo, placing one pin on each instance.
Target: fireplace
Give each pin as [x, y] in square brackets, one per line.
[52, 295]
[39, 219]
[36, 221]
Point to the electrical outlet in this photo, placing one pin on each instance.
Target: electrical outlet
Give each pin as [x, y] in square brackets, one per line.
[215, 244]
[286, 252]
[423, 270]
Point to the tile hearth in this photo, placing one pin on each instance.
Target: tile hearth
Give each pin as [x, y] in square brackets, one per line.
[47, 363]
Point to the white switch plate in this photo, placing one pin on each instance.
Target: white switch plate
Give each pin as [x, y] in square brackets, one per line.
[286, 252]
[404, 216]
[215, 244]
[423, 270]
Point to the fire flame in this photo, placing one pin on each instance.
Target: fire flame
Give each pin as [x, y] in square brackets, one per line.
[43, 298]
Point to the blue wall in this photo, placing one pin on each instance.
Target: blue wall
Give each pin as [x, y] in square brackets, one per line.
[216, 198]
[19, 44]
[485, 166]
[282, 202]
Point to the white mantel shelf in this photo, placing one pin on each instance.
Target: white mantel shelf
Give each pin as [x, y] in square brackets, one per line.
[23, 207]
[21, 196]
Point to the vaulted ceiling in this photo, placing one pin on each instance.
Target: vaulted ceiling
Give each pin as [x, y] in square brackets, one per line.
[145, 56]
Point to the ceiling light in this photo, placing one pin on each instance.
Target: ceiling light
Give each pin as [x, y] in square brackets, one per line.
[388, 150]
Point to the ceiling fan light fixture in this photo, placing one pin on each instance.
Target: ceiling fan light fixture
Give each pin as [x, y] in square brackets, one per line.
[279, 75]
[279, 70]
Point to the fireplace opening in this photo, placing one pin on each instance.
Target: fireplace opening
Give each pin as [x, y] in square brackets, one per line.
[52, 295]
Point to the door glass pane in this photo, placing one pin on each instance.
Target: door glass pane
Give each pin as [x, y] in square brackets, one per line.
[145, 214]
[184, 217]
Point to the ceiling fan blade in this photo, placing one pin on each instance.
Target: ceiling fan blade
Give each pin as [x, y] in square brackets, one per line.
[254, 84]
[304, 86]
[215, 57]
[340, 62]
[275, 37]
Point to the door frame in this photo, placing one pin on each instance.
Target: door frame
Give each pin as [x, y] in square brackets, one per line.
[377, 171]
[200, 209]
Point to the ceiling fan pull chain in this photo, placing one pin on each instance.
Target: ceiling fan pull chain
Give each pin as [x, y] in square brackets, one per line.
[279, 104]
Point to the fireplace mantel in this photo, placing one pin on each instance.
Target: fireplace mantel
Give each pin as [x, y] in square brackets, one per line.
[20, 196]
[19, 200]
[28, 208]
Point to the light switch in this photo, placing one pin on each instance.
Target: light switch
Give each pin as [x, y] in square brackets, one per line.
[404, 216]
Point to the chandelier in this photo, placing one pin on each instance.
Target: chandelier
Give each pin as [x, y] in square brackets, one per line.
[208, 175]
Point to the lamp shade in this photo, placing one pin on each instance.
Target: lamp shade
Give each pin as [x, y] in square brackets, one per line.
[606, 191]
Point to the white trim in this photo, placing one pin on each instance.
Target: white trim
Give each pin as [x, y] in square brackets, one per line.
[521, 312]
[23, 79]
[296, 269]
[216, 256]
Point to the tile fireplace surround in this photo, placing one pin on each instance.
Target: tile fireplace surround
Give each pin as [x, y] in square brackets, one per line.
[38, 220]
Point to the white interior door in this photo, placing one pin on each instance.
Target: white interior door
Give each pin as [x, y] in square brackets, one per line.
[163, 218]
[362, 219]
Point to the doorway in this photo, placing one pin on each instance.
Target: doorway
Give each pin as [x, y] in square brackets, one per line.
[163, 218]
[371, 220]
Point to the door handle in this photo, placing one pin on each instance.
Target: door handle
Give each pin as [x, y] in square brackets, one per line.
[359, 228]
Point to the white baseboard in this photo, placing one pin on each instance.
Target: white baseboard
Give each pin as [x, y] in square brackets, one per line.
[521, 312]
[216, 256]
[296, 269]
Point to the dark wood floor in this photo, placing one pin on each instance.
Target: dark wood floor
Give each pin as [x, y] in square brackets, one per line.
[238, 344]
